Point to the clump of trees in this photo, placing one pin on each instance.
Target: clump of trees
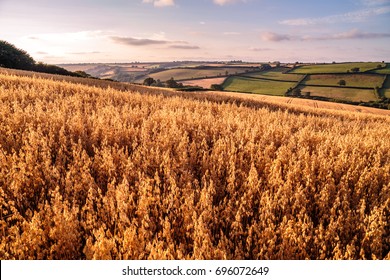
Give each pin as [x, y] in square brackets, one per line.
[149, 81]
[296, 92]
[266, 66]
[12, 57]
[342, 83]
[53, 69]
[83, 74]
[15, 58]
[171, 83]
[216, 87]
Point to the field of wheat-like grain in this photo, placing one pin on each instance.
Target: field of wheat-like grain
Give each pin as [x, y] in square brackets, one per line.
[92, 173]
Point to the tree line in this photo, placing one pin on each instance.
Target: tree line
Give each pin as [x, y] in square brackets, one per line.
[15, 58]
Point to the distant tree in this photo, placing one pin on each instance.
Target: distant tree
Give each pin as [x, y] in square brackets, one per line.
[149, 81]
[216, 87]
[355, 69]
[288, 92]
[158, 83]
[52, 69]
[342, 83]
[12, 57]
[226, 72]
[171, 83]
[296, 92]
[265, 66]
[82, 74]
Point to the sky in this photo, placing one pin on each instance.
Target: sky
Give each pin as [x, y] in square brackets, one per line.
[87, 31]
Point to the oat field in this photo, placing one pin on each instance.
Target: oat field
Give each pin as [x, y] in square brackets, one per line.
[98, 173]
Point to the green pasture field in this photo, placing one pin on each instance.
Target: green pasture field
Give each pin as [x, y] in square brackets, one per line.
[352, 80]
[347, 94]
[277, 74]
[245, 84]
[383, 71]
[335, 68]
[188, 74]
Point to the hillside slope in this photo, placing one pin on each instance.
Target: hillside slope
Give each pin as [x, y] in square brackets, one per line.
[252, 100]
[92, 173]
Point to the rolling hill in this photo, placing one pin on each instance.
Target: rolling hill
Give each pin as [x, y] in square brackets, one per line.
[98, 171]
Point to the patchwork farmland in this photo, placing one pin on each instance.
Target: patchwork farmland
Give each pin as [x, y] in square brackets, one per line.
[356, 83]
[363, 83]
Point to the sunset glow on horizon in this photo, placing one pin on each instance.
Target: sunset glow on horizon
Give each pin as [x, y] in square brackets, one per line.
[206, 30]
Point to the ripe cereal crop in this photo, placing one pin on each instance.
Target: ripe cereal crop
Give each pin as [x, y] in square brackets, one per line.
[99, 173]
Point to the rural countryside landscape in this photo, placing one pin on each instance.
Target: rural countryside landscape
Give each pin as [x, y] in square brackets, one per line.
[211, 130]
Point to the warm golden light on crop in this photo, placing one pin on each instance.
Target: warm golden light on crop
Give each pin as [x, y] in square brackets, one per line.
[92, 173]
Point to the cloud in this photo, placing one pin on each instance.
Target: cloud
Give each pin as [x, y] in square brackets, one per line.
[129, 41]
[225, 2]
[349, 35]
[375, 2]
[160, 3]
[259, 49]
[166, 3]
[137, 42]
[197, 33]
[84, 53]
[275, 37]
[356, 16]
[231, 33]
[352, 34]
[67, 37]
[184, 47]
